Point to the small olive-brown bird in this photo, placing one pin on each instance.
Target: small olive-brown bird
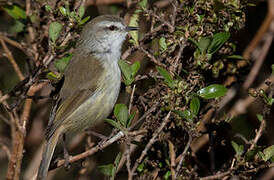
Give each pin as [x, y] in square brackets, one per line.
[91, 83]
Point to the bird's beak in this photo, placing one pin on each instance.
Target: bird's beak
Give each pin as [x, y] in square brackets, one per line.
[130, 28]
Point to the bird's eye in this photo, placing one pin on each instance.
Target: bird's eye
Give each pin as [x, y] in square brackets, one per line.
[112, 28]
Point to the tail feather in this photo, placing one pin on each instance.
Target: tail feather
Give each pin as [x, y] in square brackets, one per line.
[47, 155]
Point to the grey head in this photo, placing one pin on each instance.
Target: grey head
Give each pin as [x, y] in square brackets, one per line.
[103, 35]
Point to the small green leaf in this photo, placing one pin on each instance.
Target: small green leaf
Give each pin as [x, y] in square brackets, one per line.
[186, 114]
[168, 79]
[268, 152]
[130, 119]
[116, 163]
[140, 168]
[167, 175]
[249, 156]
[126, 70]
[217, 42]
[272, 68]
[134, 23]
[163, 45]
[134, 68]
[81, 11]
[53, 77]
[117, 159]
[239, 149]
[62, 63]
[259, 117]
[121, 113]
[212, 91]
[48, 8]
[129, 71]
[106, 169]
[261, 155]
[143, 4]
[63, 11]
[15, 11]
[54, 31]
[203, 44]
[83, 21]
[17, 27]
[72, 15]
[114, 123]
[195, 105]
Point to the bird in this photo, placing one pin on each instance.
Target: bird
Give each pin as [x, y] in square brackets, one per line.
[91, 83]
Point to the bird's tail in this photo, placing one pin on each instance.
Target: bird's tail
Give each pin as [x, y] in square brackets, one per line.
[47, 155]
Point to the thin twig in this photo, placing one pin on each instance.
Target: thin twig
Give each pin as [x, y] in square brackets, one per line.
[151, 57]
[183, 155]
[217, 176]
[18, 135]
[172, 156]
[258, 135]
[12, 42]
[12, 60]
[148, 146]
[131, 98]
[95, 149]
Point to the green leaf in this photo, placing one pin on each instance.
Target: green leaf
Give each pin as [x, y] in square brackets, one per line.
[117, 159]
[73, 15]
[129, 71]
[217, 42]
[121, 113]
[15, 11]
[167, 175]
[143, 4]
[53, 77]
[134, 23]
[126, 70]
[130, 119]
[259, 117]
[239, 149]
[48, 8]
[54, 31]
[114, 124]
[116, 163]
[212, 91]
[83, 21]
[134, 68]
[186, 114]
[272, 68]
[163, 45]
[81, 11]
[107, 169]
[268, 152]
[167, 77]
[195, 105]
[17, 27]
[249, 156]
[63, 11]
[203, 44]
[62, 63]
[140, 168]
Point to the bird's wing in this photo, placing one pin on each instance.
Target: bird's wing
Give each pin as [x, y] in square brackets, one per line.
[81, 80]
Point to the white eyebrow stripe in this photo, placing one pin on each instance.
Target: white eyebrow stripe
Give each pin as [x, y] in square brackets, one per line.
[108, 23]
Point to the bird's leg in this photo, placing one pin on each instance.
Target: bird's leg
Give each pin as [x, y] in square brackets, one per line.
[66, 154]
